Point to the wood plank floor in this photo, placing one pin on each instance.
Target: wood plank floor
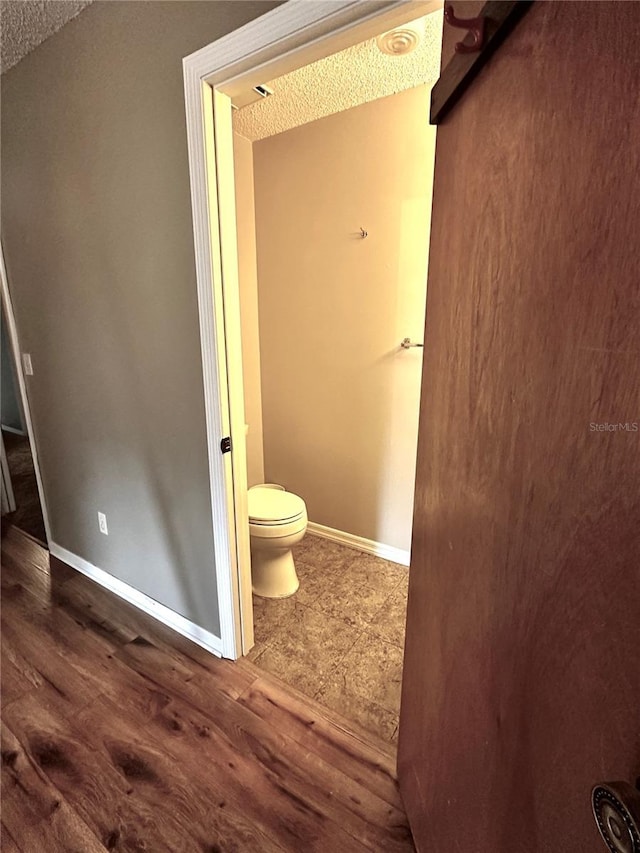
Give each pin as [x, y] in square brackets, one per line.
[118, 734]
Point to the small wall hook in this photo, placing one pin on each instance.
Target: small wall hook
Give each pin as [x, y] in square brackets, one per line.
[364, 233]
[407, 343]
[476, 27]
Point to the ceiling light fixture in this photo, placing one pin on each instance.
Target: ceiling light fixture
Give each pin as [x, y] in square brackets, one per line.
[401, 40]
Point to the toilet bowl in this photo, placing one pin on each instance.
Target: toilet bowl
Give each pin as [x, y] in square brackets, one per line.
[277, 522]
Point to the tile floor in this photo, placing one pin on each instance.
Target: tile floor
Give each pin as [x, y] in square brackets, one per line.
[340, 638]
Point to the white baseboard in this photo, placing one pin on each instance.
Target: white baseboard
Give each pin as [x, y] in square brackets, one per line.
[143, 602]
[387, 552]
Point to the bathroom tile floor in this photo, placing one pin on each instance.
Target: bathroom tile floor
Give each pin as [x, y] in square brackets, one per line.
[340, 638]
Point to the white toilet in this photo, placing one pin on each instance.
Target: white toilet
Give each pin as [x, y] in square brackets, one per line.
[277, 522]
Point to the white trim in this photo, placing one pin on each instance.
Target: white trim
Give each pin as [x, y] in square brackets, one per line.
[15, 431]
[294, 34]
[22, 387]
[387, 552]
[239, 511]
[138, 599]
[199, 108]
[288, 37]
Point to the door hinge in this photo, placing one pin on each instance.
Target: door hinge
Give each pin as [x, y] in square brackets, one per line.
[225, 445]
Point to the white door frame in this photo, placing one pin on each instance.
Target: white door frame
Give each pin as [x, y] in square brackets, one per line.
[14, 343]
[286, 38]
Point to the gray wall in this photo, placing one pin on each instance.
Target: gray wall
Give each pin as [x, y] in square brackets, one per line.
[96, 226]
[10, 409]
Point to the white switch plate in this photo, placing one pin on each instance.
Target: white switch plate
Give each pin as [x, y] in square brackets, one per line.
[26, 363]
[102, 523]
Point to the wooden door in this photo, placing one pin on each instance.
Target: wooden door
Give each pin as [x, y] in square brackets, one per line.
[522, 663]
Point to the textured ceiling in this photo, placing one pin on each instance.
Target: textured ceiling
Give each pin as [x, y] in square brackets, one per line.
[24, 24]
[351, 77]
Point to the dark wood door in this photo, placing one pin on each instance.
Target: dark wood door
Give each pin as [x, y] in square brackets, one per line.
[522, 663]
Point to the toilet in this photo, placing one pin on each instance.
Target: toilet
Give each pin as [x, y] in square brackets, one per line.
[277, 522]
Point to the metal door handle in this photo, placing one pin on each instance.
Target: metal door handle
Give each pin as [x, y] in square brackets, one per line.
[616, 808]
[406, 343]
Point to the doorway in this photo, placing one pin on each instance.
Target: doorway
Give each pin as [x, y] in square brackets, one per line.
[285, 39]
[22, 505]
[331, 386]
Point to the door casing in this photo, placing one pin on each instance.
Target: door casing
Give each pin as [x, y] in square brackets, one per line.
[284, 39]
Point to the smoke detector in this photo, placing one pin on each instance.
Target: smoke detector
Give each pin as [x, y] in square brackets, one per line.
[401, 40]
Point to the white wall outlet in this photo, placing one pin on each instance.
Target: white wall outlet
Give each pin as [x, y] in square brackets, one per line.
[26, 363]
[102, 523]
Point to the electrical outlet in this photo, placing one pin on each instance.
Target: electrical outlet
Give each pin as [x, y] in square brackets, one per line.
[26, 363]
[102, 523]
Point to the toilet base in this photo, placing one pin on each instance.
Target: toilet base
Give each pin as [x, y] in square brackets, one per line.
[273, 572]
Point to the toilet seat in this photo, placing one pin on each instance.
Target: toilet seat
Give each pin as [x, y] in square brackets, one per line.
[272, 507]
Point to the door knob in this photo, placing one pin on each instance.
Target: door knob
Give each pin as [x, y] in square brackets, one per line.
[616, 808]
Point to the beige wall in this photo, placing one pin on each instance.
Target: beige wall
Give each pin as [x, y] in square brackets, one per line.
[96, 226]
[340, 398]
[248, 281]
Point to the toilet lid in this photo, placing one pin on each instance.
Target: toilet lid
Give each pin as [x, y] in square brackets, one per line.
[274, 506]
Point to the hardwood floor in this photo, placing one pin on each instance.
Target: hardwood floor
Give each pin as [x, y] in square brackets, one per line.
[118, 734]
